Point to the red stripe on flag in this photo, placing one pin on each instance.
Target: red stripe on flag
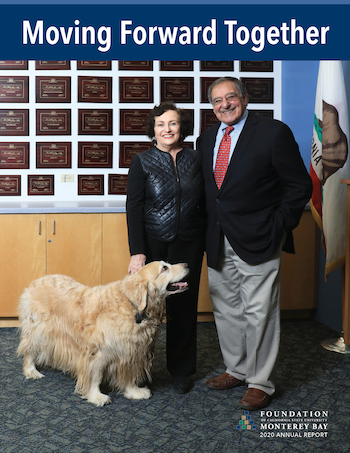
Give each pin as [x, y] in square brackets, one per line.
[317, 192]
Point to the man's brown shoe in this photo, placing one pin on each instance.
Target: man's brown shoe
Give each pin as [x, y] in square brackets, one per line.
[254, 399]
[222, 382]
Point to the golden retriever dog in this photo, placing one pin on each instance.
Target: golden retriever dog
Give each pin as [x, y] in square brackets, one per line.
[97, 334]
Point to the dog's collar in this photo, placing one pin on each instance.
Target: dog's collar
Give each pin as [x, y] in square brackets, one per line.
[140, 314]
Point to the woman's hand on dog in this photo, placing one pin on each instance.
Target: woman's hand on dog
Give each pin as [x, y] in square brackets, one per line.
[136, 263]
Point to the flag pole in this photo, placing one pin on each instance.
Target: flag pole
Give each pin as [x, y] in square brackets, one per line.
[346, 273]
[342, 344]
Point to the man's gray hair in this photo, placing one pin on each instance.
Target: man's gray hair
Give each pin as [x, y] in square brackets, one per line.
[242, 90]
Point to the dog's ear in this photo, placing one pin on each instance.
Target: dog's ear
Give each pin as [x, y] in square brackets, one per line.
[137, 292]
[143, 295]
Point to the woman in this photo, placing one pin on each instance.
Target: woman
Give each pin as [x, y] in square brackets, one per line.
[165, 213]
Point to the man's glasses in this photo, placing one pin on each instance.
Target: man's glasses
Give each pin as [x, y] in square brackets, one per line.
[230, 97]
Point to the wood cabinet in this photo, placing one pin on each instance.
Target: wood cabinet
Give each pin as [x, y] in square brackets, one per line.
[22, 257]
[93, 249]
[33, 245]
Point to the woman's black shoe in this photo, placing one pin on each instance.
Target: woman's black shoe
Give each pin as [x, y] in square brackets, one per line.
[182, 384]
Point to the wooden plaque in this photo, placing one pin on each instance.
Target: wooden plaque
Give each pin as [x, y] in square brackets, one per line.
[53, 89]
[41, 184]
[14, 155]
[207, 119]
[14, 89]
[268, 113]
[10, 185]
[176, 65]
[93, 65]
[95, 122]
[260, 90]
[177, 89]
[95, 154]
[14, 122]
[216, 66]
[53, 122]
[205, 84]
[136, 89]
[133, 122]
[188, 145]
[13, 64]
[136, 65]
[191, 113]
[127, 151]
[94, 89]
[90, 184]
[52, 64]
[117, 184]
[256, 66]
[54, 155]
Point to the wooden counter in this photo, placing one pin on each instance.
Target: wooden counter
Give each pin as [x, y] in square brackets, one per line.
[93, 249]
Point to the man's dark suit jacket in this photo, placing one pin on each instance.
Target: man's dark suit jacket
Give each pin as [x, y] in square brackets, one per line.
[263, 194]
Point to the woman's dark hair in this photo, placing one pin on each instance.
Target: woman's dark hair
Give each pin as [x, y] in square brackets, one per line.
[186, 123]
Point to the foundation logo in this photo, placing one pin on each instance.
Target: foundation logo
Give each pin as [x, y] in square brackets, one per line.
[246, 422]
[294, 423]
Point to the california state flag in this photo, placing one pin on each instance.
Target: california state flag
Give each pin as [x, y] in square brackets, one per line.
[330, 162]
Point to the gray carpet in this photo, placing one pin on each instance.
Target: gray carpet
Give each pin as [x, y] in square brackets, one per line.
[46, 416]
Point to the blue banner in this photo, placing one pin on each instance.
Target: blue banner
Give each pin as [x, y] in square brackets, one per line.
[170, 32]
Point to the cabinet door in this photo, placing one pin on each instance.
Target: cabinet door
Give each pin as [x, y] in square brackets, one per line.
[74, 246]
[116, 256]
[22, 256]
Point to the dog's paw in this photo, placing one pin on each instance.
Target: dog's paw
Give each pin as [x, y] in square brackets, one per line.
[137, 393]
[99, 399]
[32, 373]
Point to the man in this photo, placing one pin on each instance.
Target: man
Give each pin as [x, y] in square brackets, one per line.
[256, 187]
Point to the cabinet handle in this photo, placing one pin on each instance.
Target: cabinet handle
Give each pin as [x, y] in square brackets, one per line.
[40, 227]
[53, 227]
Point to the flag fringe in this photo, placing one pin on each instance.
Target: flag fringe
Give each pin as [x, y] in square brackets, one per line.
[330, 267]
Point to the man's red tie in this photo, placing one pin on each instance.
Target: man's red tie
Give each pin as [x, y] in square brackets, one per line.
[221, 163]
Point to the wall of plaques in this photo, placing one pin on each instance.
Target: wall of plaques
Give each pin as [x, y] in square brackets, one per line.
[69, 129]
